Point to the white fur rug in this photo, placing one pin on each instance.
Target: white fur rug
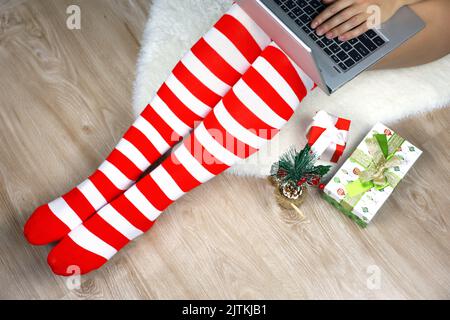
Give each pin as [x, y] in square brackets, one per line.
[385, 96]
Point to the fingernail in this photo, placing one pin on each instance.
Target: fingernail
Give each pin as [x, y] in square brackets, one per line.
[314, 25]
[342, 38]
[319, 32]
[329, 35]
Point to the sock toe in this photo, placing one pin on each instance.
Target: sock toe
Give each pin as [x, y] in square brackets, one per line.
[43, 227]
[68, 258]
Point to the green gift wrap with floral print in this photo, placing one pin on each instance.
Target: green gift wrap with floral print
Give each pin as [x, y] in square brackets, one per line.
[368, 177]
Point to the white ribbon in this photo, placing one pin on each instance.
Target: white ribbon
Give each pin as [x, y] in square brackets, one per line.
[330, 137]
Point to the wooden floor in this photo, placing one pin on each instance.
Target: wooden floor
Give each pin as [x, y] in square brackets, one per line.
[64, 101]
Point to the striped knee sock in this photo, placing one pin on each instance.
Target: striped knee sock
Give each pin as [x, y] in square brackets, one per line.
[197, 83]
[248, 116]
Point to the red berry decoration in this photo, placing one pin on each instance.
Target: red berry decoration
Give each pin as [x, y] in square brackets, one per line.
[301, 181]
[321, 186]
[281, 173]
[387, 132]
[314, 181]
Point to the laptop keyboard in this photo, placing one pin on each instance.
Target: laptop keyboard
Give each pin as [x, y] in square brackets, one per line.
[343, 54]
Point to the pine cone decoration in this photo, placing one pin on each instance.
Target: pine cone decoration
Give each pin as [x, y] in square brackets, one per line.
[290, 194]
[292, 174]
[291, 190]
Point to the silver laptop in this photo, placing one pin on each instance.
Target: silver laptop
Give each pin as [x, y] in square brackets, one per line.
[329, 63]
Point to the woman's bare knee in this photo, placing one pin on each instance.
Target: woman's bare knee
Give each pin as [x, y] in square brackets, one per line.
[436, 14]
[431, 43]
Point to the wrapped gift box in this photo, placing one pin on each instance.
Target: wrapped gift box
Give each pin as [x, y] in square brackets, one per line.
[369, 176]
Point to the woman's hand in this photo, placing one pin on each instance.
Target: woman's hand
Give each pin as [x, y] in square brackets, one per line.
[347, 19]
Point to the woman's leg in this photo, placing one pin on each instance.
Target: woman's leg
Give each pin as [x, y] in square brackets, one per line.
[428, 45]
[197, 83]
[249, 115]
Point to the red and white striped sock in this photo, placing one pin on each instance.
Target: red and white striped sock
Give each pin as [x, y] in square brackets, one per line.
[197, 83]
[248, 116]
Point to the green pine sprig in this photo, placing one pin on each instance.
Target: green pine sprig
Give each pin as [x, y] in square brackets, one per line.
[293, 166]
